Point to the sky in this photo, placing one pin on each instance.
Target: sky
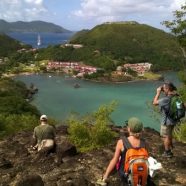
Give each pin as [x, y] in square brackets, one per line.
[76, 15]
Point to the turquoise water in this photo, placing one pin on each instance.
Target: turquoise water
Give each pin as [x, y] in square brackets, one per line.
[57, 97]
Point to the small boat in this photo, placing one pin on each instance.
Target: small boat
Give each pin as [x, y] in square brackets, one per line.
[76, 85]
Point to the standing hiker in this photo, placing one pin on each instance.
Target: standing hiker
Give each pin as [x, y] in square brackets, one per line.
[167, 123]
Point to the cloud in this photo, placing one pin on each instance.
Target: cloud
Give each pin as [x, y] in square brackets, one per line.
[116, 10]
[26, 10]
[176, 4]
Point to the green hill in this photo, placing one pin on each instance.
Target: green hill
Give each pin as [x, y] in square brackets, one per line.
[133, 42]
[33, 26]
[9, 45]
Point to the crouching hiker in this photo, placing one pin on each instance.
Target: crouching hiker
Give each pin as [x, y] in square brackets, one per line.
[44, 137]
[130, 157]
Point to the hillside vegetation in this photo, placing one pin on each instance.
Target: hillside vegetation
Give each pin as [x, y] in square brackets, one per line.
[33, 26]
[16, 113]
[133, 42]
[9, 45]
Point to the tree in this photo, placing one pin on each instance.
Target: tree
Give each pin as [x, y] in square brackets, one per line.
[178, 27]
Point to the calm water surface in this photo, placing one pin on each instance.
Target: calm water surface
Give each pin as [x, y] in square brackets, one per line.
[57, 97]
[46, 38]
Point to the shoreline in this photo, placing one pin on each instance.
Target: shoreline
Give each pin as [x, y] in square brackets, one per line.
[91, 80]
[22, 73]
[121, 82]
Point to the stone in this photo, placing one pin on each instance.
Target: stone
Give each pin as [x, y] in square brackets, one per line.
[27, 180]
[19, 167]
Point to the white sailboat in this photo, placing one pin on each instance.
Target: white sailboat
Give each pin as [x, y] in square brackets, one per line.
[38, 40]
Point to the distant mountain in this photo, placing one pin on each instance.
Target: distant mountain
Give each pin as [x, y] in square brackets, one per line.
[133, 42]
[33, 26]
[9, 45]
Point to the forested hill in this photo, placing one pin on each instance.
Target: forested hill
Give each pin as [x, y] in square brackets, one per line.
[9, 45]
[33, 26]
[133, 42]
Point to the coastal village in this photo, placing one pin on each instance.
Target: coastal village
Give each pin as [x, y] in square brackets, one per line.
[82, 69]
[79, 70]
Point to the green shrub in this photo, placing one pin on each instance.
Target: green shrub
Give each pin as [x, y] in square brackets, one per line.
[92, 132]
[79, 133]
[182, 76]
[15, 123]
[182, 92]
[180, 132]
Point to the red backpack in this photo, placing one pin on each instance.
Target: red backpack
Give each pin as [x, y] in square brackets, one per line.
[136, 166]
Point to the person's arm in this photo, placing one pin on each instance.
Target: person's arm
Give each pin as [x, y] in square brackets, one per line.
[158, 92]
[34, 141]
[114, 160]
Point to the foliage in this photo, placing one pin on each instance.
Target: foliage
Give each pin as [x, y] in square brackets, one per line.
[10, 124]
[178, 27]
[80, 134]
[9, 45]
[15, 112]
[182, 76]
[92, 131]
[152, 76]
[182, 92]
[16, 105]
[132, 43]
[131, 72]
[180, 131]
[109, 45]
[93, 76]
[154, 111]
[22, 57]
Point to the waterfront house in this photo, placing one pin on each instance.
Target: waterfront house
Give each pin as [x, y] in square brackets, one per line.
[66, 66]
[140, 68]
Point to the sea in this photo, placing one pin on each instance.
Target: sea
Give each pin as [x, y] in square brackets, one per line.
[58, 98]
[47, 39]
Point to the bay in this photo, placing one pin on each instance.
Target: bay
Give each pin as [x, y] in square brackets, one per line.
[46, 38]
[58, 98]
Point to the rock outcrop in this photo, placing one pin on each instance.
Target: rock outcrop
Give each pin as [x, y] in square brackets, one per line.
[19, 166]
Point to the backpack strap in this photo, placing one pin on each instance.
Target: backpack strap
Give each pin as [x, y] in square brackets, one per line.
[127, 144]
[142, 143]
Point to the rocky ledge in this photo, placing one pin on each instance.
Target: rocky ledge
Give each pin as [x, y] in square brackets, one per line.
[20, 167]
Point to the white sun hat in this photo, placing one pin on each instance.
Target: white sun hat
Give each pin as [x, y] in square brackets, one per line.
[43, 117]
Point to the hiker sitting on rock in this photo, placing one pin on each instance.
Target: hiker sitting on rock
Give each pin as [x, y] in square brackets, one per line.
[134, 141]
[44, 136]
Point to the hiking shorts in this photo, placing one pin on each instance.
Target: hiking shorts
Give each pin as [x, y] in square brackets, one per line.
[166, 130]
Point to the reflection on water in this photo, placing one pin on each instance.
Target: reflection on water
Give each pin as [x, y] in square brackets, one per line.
[57, 97]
